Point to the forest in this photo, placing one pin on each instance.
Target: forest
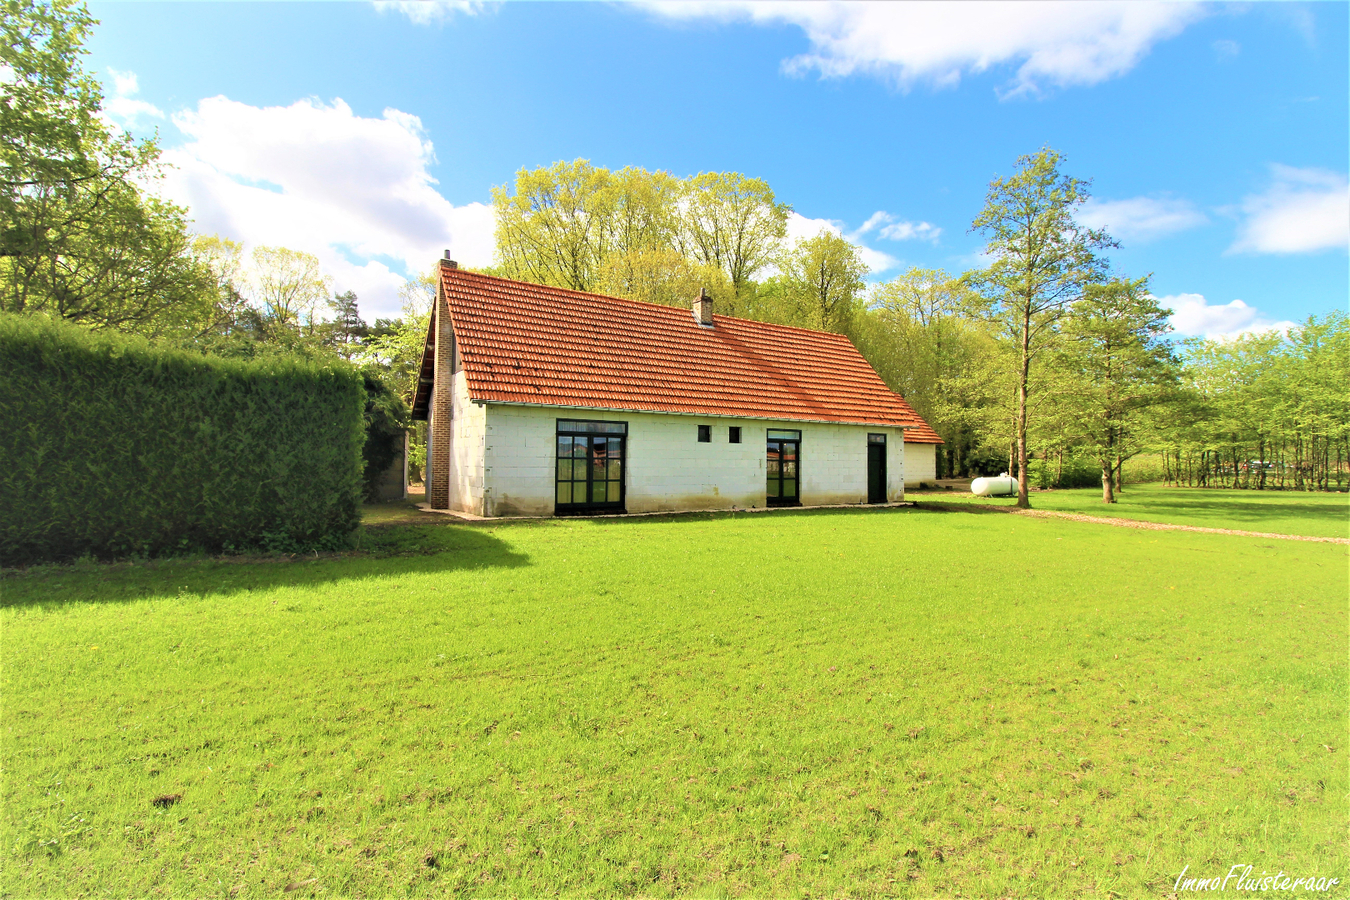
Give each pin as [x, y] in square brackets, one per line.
[1046, 363]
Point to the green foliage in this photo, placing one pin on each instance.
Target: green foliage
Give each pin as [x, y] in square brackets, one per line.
[1069, 472]
[112, 447]
[79, 238]
[1266, 410]
[632, 233]
[386, 421]
[822, 277]
[921, 335]
[828, 704]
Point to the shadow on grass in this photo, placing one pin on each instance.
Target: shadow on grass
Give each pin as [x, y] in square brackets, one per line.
[385, 552]
[1245, 510]
[1203, 507]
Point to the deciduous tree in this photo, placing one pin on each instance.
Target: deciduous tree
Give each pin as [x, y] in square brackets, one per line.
[732, 222]
[823, 278]
[79, 238]
[290, 288]
[1112, 361]
[1042, 261]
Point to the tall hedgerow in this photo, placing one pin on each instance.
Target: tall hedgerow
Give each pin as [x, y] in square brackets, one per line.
[112, 447]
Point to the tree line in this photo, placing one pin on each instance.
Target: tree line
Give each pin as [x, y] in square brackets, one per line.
[1046, 363]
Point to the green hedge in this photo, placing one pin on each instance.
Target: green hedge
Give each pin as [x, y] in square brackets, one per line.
[111, 447]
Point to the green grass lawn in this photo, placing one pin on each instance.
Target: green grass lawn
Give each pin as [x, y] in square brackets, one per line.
[830, 703]
[1279, 512]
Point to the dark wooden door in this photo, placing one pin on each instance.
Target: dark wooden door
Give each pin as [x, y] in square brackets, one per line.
[876, 473]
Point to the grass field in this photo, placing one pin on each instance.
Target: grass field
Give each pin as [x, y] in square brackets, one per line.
[829, 703]
[1280, 512]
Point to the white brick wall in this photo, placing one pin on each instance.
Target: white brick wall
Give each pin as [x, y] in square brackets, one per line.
[920, 462]
[668, 469]
[468, 426]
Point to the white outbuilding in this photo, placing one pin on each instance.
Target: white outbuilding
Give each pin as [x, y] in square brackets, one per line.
[546, 401]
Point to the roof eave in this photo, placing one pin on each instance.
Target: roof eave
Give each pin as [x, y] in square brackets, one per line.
[696, 414]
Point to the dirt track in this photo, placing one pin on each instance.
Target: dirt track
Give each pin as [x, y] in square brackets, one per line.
[1122, 523]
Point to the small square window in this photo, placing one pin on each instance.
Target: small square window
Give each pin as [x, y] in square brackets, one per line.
[705, 434]
[734, 434]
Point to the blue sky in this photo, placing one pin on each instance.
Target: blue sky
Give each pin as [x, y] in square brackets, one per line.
[1217, 137]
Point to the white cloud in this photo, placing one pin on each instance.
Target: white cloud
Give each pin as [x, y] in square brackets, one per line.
[426, 12]
[1052, 43]
[887, 226]
[1225, 49]
[354, 191]
[122, 107]
[1303, 211]
[799, 227]
[1141, 219]
[1193, 316]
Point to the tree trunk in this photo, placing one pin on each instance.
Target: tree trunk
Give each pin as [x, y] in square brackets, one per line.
[1108, 496]
[1023, 500]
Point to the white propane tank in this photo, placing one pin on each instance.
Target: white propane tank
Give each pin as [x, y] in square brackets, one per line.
[1002, 486]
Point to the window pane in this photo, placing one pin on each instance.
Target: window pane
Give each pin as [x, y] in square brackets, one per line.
[615, 448]
[783, 434]
[614, 474]
[564, 492]
[789, 487]
[789, 469]
[614, 488]
[704, 434]
[771, 465]
[565, 469]
[592, 427]
[579, 448]
[876, 439]
[564, 445]
[773, 486]
[773, 450]
[734, 434]
[598, 492]
[789, 451]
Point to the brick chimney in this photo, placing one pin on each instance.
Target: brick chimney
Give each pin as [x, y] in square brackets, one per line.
[448, 262]
[703, 308]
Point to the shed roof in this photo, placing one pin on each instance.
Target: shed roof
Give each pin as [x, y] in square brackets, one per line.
[538, 345]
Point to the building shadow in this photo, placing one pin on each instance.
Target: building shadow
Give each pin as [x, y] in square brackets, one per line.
[383, 553]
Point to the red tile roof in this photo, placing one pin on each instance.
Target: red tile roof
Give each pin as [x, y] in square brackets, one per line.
[527, 343]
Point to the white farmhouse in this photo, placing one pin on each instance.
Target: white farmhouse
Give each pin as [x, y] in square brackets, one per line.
[545, 401]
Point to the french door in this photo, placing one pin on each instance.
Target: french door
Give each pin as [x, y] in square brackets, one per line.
[590, 466]
[782, 468]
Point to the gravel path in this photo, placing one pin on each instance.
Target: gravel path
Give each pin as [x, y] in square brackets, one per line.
[1123, 523]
